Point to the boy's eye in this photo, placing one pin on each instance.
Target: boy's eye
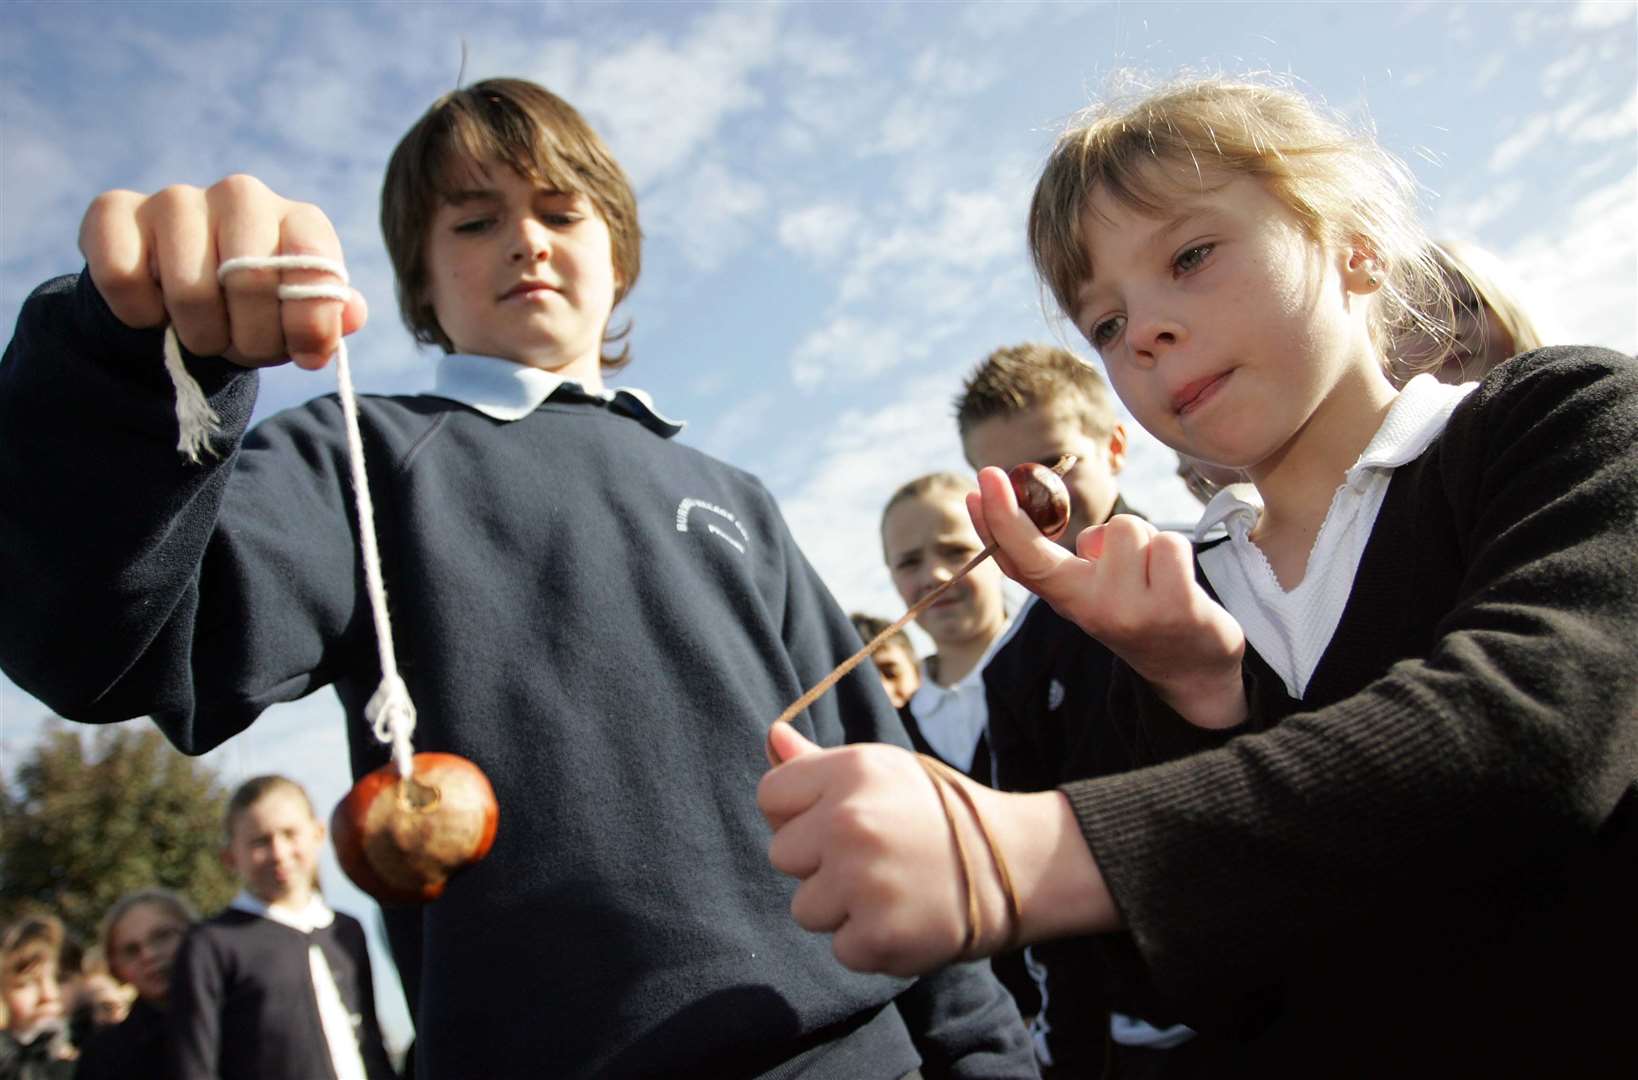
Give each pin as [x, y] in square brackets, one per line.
[562, 220]
[1191, 258]
[474, 225]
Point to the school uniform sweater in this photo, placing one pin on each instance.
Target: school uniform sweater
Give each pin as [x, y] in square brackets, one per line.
[136, 1048]
[247, 1004]
[603, 620]
[1427, 865]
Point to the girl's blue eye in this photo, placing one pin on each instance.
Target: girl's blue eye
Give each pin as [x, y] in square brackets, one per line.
[1192, 258]
[1104, 331]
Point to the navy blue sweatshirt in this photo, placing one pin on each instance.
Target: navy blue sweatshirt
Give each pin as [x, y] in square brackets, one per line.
[604, 620]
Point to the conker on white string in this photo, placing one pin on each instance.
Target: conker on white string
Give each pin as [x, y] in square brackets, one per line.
[400, 839]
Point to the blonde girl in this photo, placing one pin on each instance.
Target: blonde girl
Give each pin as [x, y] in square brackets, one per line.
[1388, 823]
[141, 933]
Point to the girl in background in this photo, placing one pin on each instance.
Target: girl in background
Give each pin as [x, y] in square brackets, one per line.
[140, 936]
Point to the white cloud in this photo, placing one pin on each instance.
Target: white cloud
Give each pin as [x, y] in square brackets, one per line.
[834, 511]
[661, 102]
[709, 213]
[1584, 266]
[820, 231]
[1465, 214]
[1510, 150]
[910, 123]
[1492, 66]
[818, 56]
[970, 230]
[1603, 126]
[849, 348]
[1602, 14]
[938, 72]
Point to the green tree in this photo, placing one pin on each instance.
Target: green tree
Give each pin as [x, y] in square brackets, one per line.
[89, 817]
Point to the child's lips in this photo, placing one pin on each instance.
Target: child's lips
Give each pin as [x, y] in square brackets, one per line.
[1193, 395]
[526, 289]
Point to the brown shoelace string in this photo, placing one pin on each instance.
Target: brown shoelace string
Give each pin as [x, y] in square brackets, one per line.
[945, 780]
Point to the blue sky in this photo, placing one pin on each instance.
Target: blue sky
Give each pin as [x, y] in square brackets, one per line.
[832, 195]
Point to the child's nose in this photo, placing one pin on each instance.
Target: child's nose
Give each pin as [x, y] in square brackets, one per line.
[532, 241]
[1152, 335]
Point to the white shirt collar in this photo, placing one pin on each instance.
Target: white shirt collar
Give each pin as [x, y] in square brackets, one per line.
[506, 391]
[316, 915]
[1291, 630]
[952, 718]
[1414, 420]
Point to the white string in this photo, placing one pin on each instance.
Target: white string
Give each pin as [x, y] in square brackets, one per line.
[390, 711]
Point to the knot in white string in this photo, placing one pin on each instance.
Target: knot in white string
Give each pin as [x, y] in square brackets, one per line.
[391, 714]
[390, 711]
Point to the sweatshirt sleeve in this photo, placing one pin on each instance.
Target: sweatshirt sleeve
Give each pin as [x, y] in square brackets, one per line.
[817, 636]
[1509, 744]
[137, 583]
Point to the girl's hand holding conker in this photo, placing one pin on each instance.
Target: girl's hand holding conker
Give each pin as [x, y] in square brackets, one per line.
[1132, 587]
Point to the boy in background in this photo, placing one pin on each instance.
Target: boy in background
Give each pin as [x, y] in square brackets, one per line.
[34, 1043]
[603, 620]
[1047, 686]
[278, 986]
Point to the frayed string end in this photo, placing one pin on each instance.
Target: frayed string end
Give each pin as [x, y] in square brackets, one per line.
[196, 422]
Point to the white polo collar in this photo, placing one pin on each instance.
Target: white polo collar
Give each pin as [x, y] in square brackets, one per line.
[1291, 630]
[316, 915]
[507, 391]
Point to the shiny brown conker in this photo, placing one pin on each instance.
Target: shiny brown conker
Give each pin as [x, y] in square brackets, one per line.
[1042, 495]
[401, 838]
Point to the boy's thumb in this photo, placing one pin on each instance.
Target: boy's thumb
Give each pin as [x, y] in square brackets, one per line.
[785, 743]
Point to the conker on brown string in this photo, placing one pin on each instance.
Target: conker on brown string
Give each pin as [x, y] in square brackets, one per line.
[1041, 494]
[400, 838]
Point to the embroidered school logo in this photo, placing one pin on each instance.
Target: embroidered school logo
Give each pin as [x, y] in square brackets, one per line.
[1055, 695]
[712, 519]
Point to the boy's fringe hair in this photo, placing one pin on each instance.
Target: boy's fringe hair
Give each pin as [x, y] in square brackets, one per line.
[1015, 378]
[29, 942]
[532, 131]
[932, 483]
[1145, 148]
[869, 626]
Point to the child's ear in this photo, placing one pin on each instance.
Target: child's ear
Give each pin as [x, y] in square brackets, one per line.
[1117, 449]
[1365, 271]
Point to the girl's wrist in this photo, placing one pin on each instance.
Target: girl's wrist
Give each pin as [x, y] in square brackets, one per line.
[1059, 889]
[1217, 702]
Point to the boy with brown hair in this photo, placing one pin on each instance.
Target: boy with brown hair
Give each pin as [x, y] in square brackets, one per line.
[601, 619]
[1047, 687]
[34, 1043]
